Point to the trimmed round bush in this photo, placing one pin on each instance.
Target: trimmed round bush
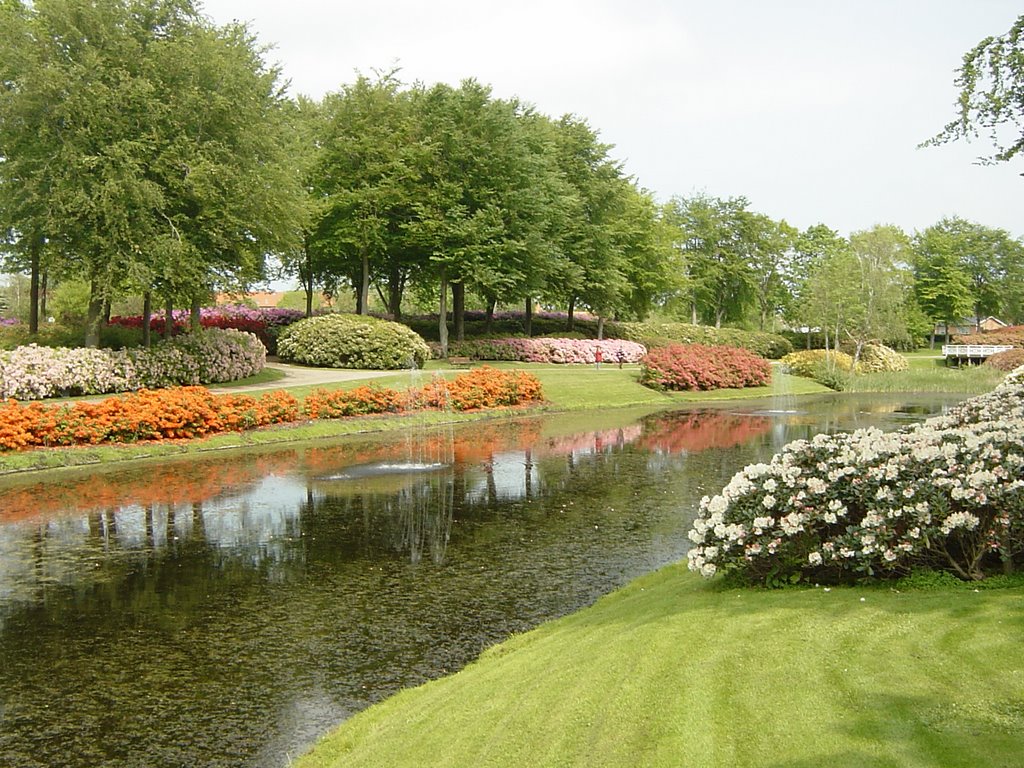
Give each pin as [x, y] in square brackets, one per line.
[1006, 361]
[352, 341]
[696, 366]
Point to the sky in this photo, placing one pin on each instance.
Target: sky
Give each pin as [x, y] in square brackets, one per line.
[813, 110]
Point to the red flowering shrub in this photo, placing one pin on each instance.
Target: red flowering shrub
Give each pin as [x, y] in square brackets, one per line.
[1007, 361]
[1011, 334]
[695, 366]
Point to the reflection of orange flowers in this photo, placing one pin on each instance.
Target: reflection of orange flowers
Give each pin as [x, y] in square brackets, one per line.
[680, 432]
[206, 478]
[171, 483]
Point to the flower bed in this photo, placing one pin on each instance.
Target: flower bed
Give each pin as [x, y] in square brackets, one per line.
[189, 412]
[699, 367]
[264, 324]
[33, 372]
[946, 493]
[547, 350]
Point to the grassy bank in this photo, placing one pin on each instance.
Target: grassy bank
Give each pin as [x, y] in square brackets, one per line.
[565, 388]
[674, 671]
[929, 373]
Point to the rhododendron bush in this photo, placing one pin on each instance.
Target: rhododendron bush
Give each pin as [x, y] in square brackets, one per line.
[947, 493]
[33, 372]
[696, 366]
[545, 350]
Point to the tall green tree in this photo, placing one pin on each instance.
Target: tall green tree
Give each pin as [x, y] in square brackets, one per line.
[369, 176]
[942, 285]
[770, 247]
[882, 283]
[143, 145]
[715, 237]
[813, 248]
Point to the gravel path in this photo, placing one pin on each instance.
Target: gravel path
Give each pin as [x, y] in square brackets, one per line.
[301, 376]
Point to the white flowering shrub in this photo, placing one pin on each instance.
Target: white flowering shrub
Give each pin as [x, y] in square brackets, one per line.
[352, 341]
[947, 493]
[32, 372]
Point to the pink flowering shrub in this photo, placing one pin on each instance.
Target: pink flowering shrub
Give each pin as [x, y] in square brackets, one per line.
[698, 367]
[545, 350]
[32, 372]
[947, 493]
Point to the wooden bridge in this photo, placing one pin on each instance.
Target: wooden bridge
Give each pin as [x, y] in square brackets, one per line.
[971, 353]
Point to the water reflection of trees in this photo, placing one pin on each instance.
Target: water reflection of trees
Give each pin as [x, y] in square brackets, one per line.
[264, 509]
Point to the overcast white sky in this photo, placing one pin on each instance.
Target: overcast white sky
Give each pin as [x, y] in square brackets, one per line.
[812, 109]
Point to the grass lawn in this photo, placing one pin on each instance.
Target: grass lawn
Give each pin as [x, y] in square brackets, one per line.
[674, 671]
[928, 373]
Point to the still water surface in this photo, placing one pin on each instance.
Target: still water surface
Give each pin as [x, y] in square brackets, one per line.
[227, 611]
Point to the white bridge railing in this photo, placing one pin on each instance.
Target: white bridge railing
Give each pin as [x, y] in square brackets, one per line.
[973, 350]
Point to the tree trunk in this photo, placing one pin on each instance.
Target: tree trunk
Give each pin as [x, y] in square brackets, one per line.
[528, 321]
[364, 286]
[693, 313]
[306, 275]
[195, 316]
[43, 283]
[395, 289]
[106, 311]
[459, 310]
[490, 315]
[600, 327]
[168, 317]
[442, 316]
[147, 317]
[571, 321]
[95, 313]
[35, 247]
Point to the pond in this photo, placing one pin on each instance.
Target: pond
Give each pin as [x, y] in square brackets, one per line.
[228, 610]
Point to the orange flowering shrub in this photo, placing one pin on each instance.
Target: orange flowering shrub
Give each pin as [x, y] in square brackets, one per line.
[188, 412]
[482, 387]
[179, 412]
[361, 401]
